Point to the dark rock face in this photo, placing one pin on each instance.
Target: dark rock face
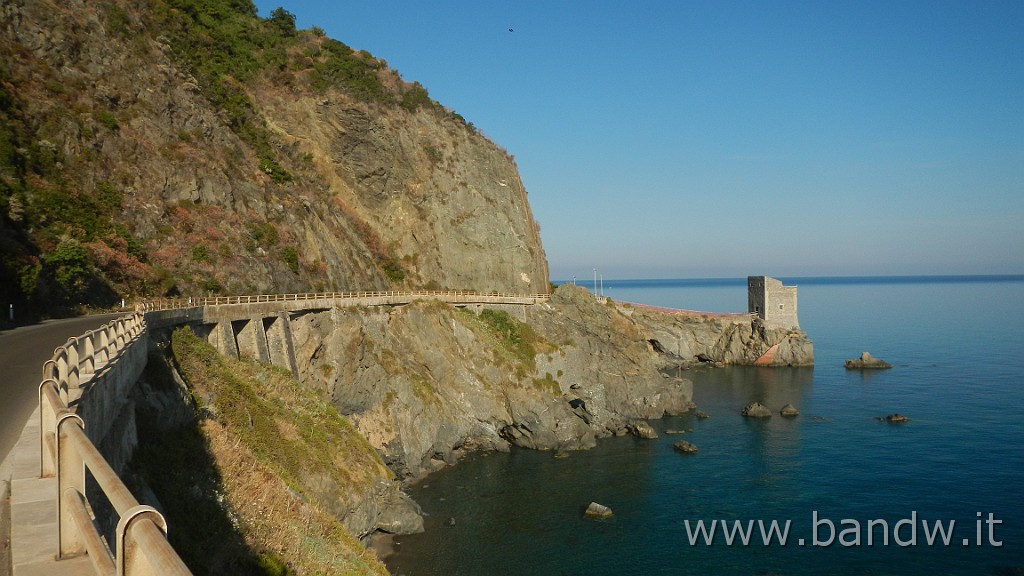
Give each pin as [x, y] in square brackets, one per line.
[867, 362]
[756, 410]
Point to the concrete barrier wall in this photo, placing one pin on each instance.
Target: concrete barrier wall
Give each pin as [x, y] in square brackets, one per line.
[106, 406]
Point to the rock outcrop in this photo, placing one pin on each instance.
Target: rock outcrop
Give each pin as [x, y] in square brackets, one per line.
[789, 411]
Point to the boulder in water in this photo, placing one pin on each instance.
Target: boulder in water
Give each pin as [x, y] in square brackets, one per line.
[685, 447]
[789, 411]
[642, 429]
[596, 510]
[867, 362]
[894, 418]
[756, 410]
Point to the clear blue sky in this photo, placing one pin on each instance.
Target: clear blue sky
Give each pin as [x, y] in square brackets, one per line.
[714, 138]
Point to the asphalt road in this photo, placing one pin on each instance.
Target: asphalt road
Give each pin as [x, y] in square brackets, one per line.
[22, 354]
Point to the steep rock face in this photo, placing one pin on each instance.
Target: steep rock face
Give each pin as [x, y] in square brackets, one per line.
[448, 202]
[425, 382]
[304, 186]
[606, 354]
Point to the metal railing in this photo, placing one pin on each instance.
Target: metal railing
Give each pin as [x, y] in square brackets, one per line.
[141, 547]
[454, 296]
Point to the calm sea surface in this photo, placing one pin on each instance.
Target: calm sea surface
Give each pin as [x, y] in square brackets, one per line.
[957, 346]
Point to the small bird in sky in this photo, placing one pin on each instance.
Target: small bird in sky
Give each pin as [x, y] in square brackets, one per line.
[509, 29]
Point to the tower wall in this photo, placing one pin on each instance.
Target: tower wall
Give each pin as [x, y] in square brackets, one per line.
[772, 302]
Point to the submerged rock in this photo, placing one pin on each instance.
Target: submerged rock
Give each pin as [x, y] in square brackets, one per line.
[756, 410]
[867, 362]
[596, 510]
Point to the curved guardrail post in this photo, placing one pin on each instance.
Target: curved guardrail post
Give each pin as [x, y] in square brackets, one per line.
[87, 353]
[50, 405]
[70, 475]
[73, 378]
[134, 558]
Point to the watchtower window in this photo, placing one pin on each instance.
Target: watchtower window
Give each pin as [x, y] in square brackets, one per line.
[782, 306]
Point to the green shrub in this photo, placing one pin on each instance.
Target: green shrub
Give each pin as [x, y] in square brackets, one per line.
[415, 97]
[264, 234]
[351, 71]
[291, 257]
[283, 20]
[211, 286]
[106, 119]
[433, 154]
[69, 264]
[274, 566]
[517, 337]
[117, 20]
[200, 253]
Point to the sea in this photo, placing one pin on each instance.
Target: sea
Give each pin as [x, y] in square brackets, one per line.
[942, 493]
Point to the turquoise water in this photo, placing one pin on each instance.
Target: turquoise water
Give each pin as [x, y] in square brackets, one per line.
[958, 374]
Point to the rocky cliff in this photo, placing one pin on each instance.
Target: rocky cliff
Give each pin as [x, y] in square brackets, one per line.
[426, 382]
[189, 146]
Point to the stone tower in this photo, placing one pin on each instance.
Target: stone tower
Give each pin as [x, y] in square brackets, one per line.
[772, 302]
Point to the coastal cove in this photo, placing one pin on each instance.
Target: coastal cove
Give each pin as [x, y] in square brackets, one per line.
[957, 373]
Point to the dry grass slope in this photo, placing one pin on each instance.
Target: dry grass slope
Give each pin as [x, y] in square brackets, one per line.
[265, 434]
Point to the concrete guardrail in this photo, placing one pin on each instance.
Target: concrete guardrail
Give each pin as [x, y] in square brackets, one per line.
[141, 547]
